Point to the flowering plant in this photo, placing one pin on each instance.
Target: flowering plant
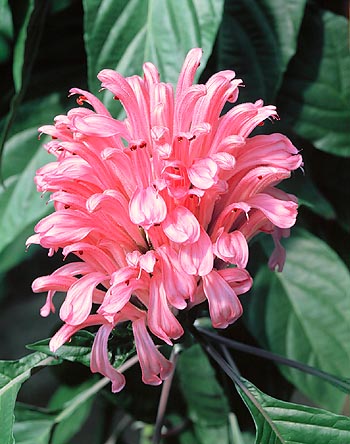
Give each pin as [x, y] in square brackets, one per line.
[163, 217]
[159, 207]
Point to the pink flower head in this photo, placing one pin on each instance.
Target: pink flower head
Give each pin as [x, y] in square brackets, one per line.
[159, 208]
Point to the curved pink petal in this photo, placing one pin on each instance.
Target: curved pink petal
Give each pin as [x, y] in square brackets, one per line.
[197, 258]
[124, 282]
[77, 305]
[181, 226]
[188, 71]
[238, 279]
[224, 305]
[278, 256]
[67, 331]
[281, 213]
[161, 320]
[155, 367]
[147, 208]
[232, 248]
[202, 173]
[179, 286]
[100, 361]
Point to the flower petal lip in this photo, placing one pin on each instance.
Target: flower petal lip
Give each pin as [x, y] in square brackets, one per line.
[181, 226]
[147, 207]
[224, 305]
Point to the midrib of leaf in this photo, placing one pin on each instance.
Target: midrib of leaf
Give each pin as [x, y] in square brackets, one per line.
[241, 386]
[261, 410]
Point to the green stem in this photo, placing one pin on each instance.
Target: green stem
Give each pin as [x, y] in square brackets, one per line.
[240, 384]
[164, 400]
[82, 397]
[230, 343]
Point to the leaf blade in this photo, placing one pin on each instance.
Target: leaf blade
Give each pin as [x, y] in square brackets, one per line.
[315, 95]
[304, 314]
[257, 39]
[280, 422]
[12, 376]
[123, 35]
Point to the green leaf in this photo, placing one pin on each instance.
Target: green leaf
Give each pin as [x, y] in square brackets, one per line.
[315, 95]
[20, 204]
[207, 405]
[124, 34]
[32, 426]
[12, 376]
[279, 422]
[257, 39]
[6, 25]
[23, 140]
[304, 314]
[68, 410]
[237, 435]
[310, 196]
[36, 431]
[30, 20]
[20, 46]
[71, 424]
[78, 349]
[6, 31]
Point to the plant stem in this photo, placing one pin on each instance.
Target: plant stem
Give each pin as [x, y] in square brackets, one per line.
[230, 343]
[240, 384]
[164, 396]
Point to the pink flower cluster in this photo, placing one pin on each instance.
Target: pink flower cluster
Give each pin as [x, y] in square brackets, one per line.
[159, 208]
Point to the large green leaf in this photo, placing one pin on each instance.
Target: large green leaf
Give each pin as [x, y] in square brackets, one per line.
[279, 422]
[71, 423]
[78, 349]
[207, 405]
[315, 95]
[124, 34]
[6, 31]
[12, 376]
[34, 431]
[257, 39]
[20, 204]
[29, 18]
[67, 411]
[310, 196]
[304, 313]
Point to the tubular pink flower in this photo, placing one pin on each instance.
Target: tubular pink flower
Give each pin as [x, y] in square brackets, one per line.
[159, 208]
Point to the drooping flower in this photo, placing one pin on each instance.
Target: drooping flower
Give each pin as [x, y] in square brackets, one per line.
[159, 208]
